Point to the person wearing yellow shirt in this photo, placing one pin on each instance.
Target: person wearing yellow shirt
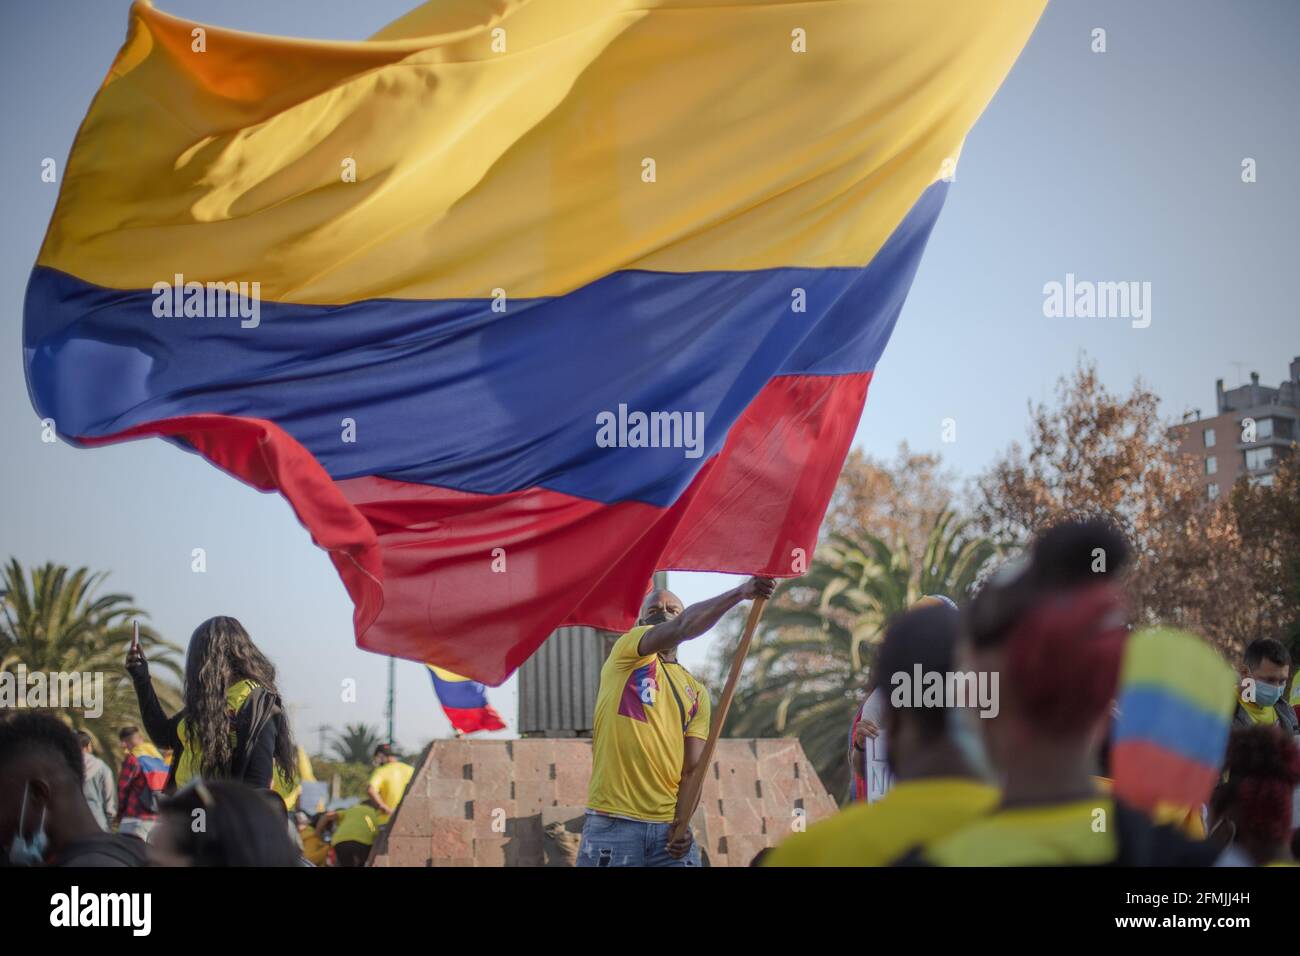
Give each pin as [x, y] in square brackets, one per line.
[651, 724]
[1053, 626]
[314, 848]
[233, 724]
[936, 790]
[354, 833]
[1261, 700]
[389, 782]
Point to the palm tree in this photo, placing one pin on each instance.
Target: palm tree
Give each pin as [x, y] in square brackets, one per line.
[808, 666]
[356, 744]
[58, 624]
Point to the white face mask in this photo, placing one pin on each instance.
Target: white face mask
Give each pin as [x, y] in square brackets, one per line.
[24, 852]
[965, 733]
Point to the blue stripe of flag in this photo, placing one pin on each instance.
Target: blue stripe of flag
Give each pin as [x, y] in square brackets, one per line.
[459, 695]
[1151, 713]
[514, 398]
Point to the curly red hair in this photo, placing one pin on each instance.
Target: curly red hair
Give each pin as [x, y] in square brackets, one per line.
[1263, 769]
[1063, 657]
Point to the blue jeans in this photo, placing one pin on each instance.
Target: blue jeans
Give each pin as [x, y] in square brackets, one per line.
[615, 841]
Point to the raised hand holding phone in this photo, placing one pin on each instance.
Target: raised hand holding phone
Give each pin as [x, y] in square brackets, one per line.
[135, 659]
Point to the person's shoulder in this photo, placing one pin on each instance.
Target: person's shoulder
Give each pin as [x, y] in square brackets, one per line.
[965, 846]
[844, 839]
[627, 647]
[104, 849]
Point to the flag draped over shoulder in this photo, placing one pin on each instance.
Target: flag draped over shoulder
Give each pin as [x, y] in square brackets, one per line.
[464, 702]
[516, 302]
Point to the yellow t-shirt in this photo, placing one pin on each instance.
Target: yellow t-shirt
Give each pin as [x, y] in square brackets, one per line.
[191, 753]
[1067, 834]
[914, 813]
[357, 824]
[391, 780]
[314, 849]
[644, 711]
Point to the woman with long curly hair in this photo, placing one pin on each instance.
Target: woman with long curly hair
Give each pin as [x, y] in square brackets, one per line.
[233, 725]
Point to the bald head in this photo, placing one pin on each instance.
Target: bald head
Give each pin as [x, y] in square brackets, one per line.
[660, 605]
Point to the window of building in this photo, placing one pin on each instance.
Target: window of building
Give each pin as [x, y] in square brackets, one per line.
[1258, 458]
[1265, 480]
[1263, 429]
[1209, 437]
[1212, 491]
[1211, 465]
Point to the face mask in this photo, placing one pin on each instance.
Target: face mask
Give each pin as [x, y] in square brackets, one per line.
[1266, 695]
[964, 732]
[23, 852]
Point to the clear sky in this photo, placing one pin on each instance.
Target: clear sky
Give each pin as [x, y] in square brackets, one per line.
[1123, 165]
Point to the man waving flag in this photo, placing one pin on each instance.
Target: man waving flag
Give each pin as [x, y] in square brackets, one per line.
[515, 303]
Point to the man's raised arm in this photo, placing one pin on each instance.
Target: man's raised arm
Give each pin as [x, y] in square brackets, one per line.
[698, 618]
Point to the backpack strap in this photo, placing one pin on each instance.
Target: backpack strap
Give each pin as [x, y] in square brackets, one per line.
[258, 711]
[681, 707]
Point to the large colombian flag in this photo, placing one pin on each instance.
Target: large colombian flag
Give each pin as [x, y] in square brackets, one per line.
[486, 242]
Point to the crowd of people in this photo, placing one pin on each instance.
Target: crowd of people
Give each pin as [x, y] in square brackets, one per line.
[1025, 782]
[1032, 785]
[1028, 782]
[219, 783]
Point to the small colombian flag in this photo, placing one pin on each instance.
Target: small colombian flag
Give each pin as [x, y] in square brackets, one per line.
[464, 701]
[1175, 710]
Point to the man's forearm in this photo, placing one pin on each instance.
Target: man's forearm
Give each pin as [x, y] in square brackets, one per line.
[692, 622]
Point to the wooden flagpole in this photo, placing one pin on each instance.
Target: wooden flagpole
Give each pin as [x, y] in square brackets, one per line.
[691, 788]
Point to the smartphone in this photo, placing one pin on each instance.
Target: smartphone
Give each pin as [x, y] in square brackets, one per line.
[135, 637]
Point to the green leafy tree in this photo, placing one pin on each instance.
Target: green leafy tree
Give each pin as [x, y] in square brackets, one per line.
[352, 777]
[356, 744]
[55, 622]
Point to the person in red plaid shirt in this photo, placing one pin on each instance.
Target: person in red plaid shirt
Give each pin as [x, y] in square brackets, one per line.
[140, 781]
